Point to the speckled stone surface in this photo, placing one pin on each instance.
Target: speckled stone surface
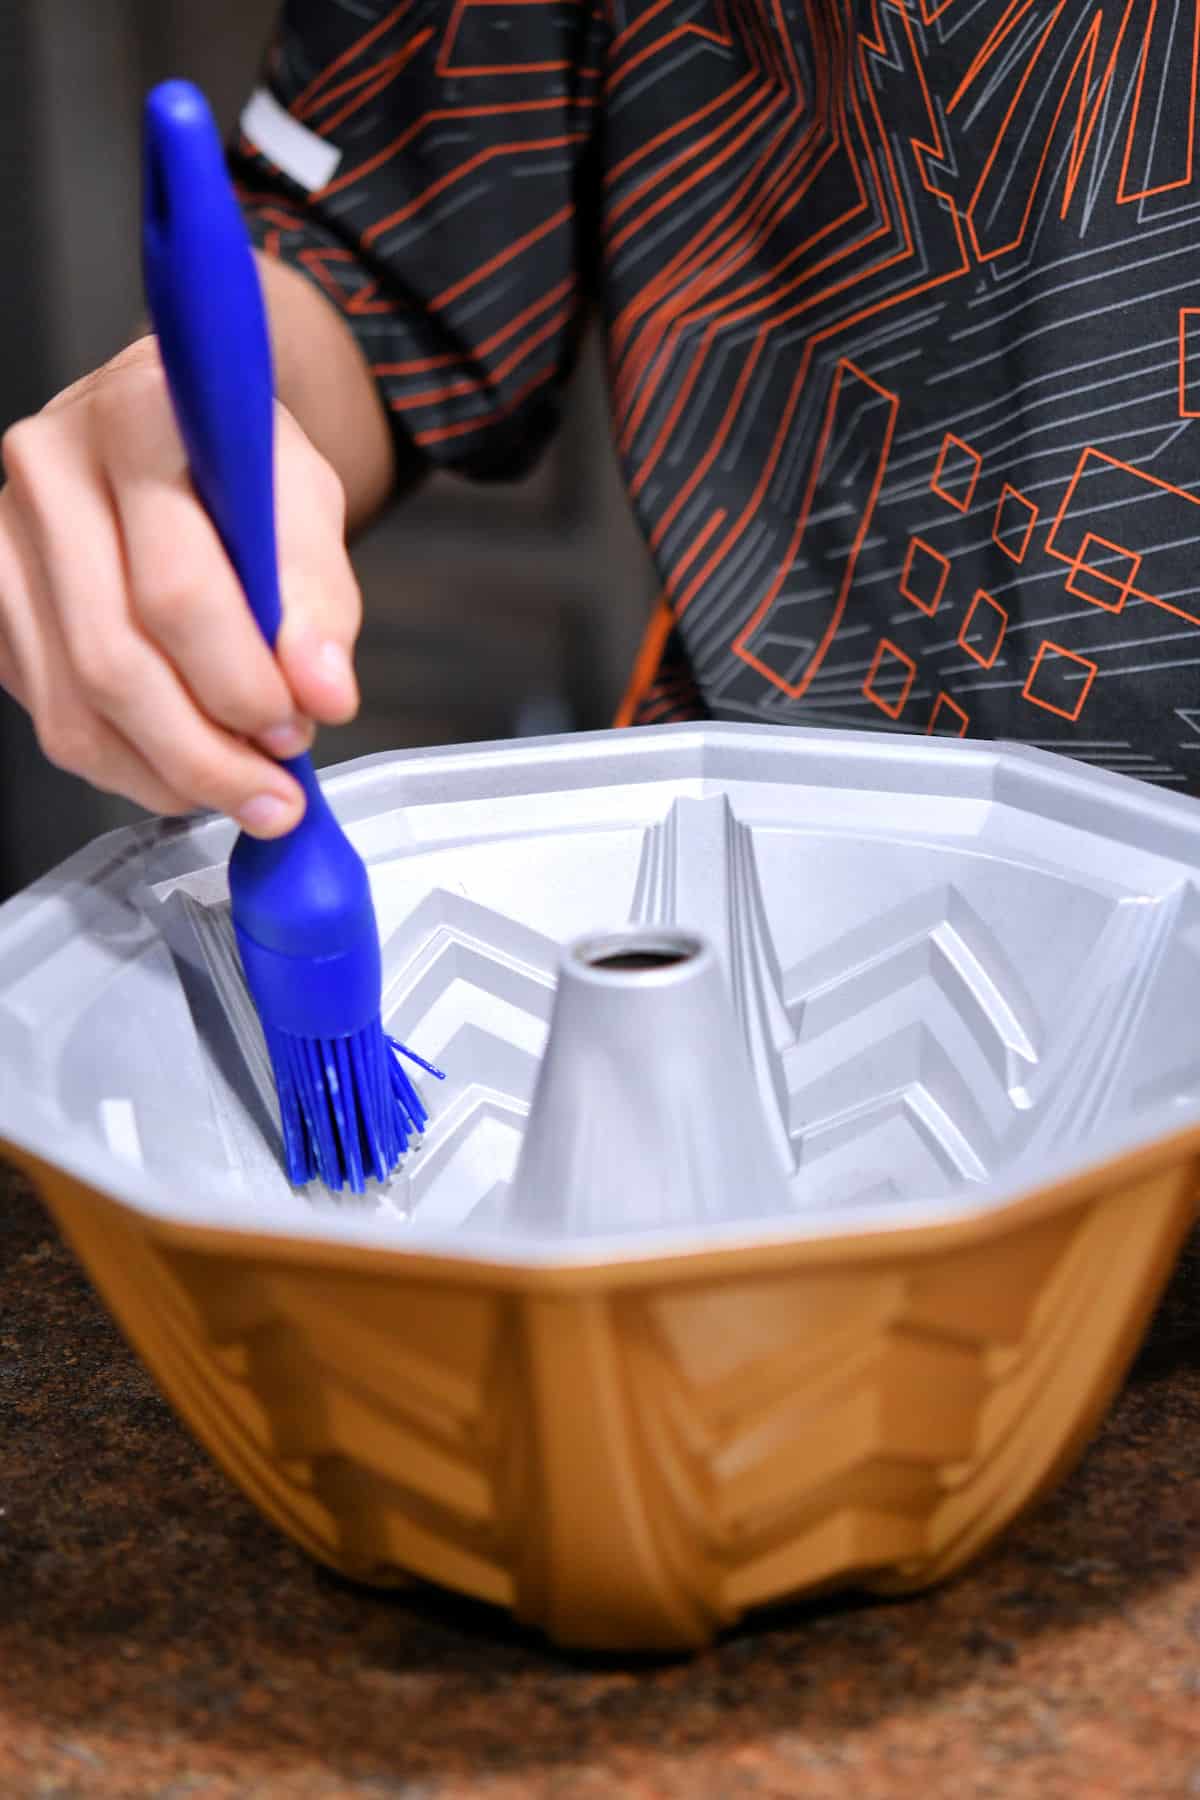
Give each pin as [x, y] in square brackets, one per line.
[158, 1639]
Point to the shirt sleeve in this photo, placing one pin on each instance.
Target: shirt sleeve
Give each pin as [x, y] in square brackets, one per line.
[428, 165]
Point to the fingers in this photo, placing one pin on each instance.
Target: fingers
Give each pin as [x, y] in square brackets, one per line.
[183, 592]
[123, 628]
[70, 733]
[99, 688]
[186, 594]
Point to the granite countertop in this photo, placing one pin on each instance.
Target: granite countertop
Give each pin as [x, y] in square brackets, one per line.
[158, 1639]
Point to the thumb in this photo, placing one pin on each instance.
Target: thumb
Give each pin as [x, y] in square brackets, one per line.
[322, 610]
[322, 605]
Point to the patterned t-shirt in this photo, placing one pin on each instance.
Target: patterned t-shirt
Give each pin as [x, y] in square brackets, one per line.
[902, 306]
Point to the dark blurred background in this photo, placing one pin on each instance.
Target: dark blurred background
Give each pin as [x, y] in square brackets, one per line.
[490, 613]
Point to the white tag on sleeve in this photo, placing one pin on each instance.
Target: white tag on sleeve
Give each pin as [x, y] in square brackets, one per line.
[291, 146]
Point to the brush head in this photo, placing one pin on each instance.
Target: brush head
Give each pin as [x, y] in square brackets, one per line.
[309, 946]
[348, 1108]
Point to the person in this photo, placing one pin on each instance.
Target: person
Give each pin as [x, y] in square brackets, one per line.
[903, 329]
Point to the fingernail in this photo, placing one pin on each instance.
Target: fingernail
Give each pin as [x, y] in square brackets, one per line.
[286, 740]
[265, 815]
[336, 669]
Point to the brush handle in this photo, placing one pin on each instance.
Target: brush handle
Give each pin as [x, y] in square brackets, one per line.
[305, 894]
[207, 309]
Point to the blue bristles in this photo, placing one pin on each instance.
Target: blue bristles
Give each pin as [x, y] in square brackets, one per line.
[348, 1108]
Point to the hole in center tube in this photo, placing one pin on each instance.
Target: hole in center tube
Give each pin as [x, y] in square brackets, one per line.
[638, 953]
[640, 959]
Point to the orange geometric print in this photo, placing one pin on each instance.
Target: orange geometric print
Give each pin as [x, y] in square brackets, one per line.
[899, 301]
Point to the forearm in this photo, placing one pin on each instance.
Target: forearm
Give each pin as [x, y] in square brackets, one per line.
[323, 380]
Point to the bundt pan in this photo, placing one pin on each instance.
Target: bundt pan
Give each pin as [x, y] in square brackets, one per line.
[822, 1122]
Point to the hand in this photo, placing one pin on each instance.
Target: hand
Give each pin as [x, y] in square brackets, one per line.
[123, 630]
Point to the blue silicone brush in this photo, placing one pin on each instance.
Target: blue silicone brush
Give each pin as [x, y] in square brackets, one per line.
[302, 907]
